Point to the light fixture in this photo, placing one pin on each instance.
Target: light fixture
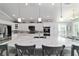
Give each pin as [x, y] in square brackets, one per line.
[19, 16]
[26, 4]
[39, 4]
[61, 17]
[39, 19]
[19, 19]
[53, 4]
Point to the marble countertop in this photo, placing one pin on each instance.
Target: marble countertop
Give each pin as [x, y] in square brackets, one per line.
[28, 39]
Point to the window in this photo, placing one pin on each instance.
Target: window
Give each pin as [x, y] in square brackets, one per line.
[76, 28]
[62, 29]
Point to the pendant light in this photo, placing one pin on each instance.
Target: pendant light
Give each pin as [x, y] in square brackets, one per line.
[61, 17]
[19, 19]
[19, 16]
[39, 18]
[73, 11]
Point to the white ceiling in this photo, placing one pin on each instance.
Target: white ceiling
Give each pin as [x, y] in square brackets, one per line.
[33, 11]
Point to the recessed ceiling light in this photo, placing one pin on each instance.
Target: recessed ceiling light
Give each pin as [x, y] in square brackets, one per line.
[53, 4]
[26, 4]
[39, 4]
